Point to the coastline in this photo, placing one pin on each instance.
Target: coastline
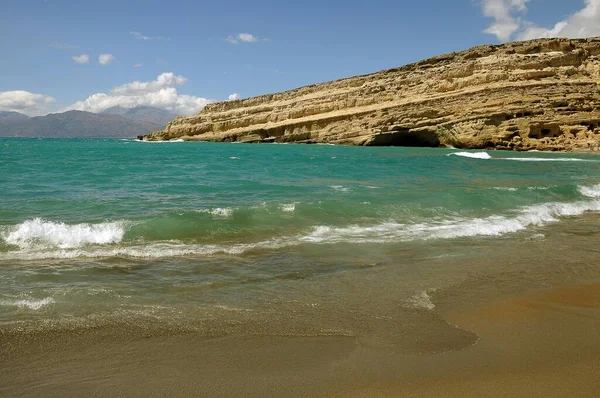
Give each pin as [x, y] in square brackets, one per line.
[502, 150]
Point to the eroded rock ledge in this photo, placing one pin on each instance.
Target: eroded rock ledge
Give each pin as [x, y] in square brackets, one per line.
[540, 94]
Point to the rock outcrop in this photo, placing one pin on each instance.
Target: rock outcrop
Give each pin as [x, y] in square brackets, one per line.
[541, 94]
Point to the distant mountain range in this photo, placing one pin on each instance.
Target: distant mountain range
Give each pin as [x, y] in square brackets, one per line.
[115, 122]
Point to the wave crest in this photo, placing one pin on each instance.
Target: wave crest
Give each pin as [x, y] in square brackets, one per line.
[39, 232]
[590, 191]
[40, 239]
[472, 155]
[494, 225]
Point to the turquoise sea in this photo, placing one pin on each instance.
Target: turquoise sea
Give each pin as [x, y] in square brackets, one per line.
[280, 239]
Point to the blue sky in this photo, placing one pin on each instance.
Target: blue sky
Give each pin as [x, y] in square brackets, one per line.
[183, 53]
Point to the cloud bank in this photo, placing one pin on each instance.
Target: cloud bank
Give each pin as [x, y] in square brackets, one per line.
[25, 102]
[160, 93]
[510, 22]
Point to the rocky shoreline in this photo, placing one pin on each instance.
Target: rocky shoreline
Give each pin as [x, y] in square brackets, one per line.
[536, 95]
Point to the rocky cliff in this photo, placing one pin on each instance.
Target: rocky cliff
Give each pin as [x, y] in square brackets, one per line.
[540, 94]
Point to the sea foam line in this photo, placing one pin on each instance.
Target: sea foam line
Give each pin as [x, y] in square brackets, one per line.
[548, 159]
[487, 156]
[31, 304]
[472, 155]
[147, 251]
[494, 225]
[161, 142]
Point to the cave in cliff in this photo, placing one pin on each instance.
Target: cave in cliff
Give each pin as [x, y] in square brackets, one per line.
[406, 138]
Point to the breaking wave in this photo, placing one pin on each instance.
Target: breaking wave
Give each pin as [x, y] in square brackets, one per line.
[494, 225]
[472, 155]
[40, 239]
[487, 156]
[592, 191]
[38, 232]
[224, 212]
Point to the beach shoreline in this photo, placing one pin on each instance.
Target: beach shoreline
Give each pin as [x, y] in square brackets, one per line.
[540, 342]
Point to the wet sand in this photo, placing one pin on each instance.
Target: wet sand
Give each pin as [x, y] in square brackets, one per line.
[538, 343]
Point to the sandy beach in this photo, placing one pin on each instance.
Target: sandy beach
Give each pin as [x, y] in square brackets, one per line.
[542, 343]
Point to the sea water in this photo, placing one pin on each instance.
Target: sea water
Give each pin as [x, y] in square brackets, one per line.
[277, 239]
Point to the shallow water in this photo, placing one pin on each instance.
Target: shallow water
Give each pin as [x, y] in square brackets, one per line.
[283, 239]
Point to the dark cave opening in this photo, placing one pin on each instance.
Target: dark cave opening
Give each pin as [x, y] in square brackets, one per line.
[407, 138]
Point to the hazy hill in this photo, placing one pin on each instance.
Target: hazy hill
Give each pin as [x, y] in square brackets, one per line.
[73, 124]
[8, 116]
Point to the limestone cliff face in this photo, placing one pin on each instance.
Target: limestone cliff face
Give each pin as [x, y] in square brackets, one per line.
[541, 94]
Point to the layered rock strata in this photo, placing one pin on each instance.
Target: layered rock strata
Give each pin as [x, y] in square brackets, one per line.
[540, 94]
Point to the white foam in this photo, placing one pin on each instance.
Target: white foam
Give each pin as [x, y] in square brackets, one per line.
[506, 189]
[590, 191]
[147, 251]
[224, 212]
[472, 155]
[340, 188]
[449, 229]
[233, 158]
[288, 208]
[548, 159]
[31, 304]
[161, 142]
[39, 232]
[71, 241]
[421, 300]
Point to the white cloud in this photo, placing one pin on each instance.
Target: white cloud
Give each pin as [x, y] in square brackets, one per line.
[106, 59]
[164, 80]
[505, 23]
[160, 93]
[242, 38]
[584, 23]
[246, 37]
[139, 36]
[82, 59]
[234, 96]
[138, 65]
[25, 102]
[509, 22]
